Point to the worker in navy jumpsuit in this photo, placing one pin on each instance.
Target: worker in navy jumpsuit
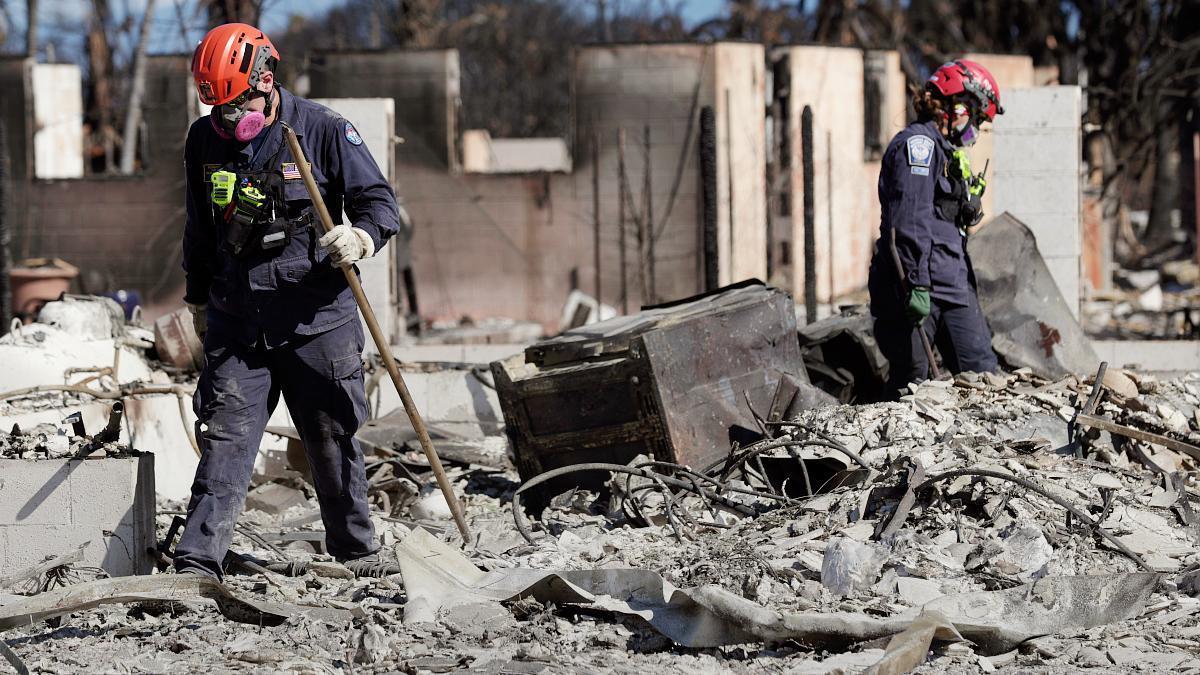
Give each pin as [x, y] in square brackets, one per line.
[933, 256]
[280, 321]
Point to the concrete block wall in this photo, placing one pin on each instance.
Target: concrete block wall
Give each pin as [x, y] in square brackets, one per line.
[511, 245]
[122, 231]
[49, 507]
[742, 153]
[424, 84]
[633, 87]
[1011, 72]
[845, 200]
[664, 87]
[1037, 176]
[374, 119]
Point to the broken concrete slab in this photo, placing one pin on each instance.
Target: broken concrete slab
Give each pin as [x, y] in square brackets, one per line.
[457, 397]
[1150, 355]
[275, 498]
[916, 591]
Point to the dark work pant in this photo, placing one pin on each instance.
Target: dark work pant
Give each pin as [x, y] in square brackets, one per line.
[321, 380]
[959, 333]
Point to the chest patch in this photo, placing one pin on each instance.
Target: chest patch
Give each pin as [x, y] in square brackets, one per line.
[920, 152]
[352, 135]
[208, 171]
[291, 172]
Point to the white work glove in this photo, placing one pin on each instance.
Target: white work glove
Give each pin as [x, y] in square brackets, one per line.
[347, 245]
[199, 318]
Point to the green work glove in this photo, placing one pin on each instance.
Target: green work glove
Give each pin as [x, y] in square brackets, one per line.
[918, 305]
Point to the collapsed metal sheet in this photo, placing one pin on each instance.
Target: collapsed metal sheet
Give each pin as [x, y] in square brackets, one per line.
[159, 587]
[1032, 325]
[998, 621]
[907, 650]
[438, 578]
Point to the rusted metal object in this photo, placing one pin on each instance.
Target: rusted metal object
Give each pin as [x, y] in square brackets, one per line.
[176, 340]
[1137, 434]
[672, 382]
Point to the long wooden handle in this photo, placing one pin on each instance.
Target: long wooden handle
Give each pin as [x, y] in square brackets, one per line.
[934, 371]
[381, 342]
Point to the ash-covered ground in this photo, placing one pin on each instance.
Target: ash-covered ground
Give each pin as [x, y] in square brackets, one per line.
[928, 535]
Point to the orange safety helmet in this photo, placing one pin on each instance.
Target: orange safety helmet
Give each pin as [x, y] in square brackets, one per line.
[231, 60]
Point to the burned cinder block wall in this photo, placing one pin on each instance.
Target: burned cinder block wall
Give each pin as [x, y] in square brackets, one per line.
[850, 132]
[423, 83]
[483, 246]
[515, 245]
[661, 89]
[16, 110]
[121, 231]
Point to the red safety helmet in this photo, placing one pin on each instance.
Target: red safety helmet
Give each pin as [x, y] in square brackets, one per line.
[230, 61]
[962, 76]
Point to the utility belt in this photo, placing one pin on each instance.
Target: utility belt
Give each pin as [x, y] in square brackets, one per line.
[253, 211]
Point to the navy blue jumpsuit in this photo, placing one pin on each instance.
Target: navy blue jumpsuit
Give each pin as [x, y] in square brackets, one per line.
[280, 320]
[933, 252]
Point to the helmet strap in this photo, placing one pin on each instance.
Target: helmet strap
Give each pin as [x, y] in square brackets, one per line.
[270, 102]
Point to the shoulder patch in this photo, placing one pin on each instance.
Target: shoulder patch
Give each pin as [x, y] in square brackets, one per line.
[920, 151]
[352, 135]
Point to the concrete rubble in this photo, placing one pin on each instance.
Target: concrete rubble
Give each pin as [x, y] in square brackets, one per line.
[978, 524]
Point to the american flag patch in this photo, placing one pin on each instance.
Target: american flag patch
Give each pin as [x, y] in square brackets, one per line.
[291, 171]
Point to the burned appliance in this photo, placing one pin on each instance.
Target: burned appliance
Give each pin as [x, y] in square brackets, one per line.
[679, 382]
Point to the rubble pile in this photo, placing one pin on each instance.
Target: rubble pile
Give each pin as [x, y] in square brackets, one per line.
[986, 528]
[1158, 303]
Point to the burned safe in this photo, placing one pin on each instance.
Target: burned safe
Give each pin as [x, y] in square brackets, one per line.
[679, 382]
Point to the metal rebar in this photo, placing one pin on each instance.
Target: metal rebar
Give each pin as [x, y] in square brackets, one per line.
[1034, 487]
[519, 514]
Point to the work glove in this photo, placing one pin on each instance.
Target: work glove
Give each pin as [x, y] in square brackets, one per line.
[347, 245]
[199, 318]
[918, 305]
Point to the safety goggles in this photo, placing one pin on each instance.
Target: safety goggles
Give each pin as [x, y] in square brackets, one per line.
[974, 115]
[240, 100]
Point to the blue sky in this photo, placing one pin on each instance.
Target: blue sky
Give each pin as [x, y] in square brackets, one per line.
[61, 20]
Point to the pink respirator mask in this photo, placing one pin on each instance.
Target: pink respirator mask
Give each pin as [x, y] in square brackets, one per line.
[234, 121]
[964, 134]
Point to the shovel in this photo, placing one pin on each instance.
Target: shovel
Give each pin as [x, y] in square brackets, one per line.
[381, 343]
